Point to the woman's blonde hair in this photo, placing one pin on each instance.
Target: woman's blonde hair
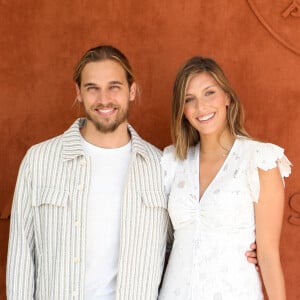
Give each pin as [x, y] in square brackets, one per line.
[184, 135]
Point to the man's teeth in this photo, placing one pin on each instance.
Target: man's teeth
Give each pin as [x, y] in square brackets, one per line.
[206, 117]
[105, 110]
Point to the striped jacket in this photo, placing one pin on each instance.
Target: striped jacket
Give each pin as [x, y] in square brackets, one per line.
[46, 256]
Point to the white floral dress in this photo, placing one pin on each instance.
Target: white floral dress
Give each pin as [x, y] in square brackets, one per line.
[211, 236]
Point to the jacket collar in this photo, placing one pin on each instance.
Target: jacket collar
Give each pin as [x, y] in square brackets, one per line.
[137, 143]
[72, 146]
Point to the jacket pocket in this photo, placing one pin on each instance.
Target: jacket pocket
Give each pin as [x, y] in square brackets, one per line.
[50, 196]
[154, 198]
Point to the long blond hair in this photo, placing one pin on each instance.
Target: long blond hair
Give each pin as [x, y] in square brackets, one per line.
[184, 135]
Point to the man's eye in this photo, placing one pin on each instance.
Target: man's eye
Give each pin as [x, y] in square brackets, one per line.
[90, 88]
[115, 87]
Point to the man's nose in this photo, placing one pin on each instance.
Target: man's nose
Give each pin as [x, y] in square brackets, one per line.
[103, 97]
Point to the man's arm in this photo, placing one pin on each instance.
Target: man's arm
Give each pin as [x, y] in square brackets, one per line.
[20, 278]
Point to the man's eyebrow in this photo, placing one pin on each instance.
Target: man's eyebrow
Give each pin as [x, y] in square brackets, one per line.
[116, 82]
[89, 84]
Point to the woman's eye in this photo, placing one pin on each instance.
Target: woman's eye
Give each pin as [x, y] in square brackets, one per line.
[187, 100]
[208, 93]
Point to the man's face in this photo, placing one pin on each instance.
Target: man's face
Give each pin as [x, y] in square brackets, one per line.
[105, 94]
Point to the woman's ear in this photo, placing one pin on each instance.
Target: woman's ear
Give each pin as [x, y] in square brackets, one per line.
[227, 100]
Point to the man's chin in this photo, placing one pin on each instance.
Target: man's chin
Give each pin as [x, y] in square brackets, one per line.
[106, 128]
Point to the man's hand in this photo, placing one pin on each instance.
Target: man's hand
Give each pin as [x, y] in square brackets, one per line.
[252, 256]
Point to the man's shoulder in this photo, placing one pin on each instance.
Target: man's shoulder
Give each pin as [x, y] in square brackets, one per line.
[142, 146]
[152, 149]
[150, 152]
[49, 146]
[56, 143]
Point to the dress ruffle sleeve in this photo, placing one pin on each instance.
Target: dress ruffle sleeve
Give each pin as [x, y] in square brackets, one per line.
[169, 164]
[266, 156]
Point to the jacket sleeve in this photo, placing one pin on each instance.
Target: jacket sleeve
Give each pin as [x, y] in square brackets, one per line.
[20, 278]
[169, 164]
[170, 238]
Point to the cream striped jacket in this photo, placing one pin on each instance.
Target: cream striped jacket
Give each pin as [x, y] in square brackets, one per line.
[46, 256]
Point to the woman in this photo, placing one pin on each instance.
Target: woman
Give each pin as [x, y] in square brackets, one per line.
[225, 191]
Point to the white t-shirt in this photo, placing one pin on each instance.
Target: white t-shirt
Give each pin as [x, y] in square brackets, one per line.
[108, 172]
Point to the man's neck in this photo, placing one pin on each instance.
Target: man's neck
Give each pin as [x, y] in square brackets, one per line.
[115, 139]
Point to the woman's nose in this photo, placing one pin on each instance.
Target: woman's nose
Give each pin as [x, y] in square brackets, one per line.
[200, 103]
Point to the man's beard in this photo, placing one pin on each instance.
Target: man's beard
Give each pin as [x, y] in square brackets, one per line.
[110, 126]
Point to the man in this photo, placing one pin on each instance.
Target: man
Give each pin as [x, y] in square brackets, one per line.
[89, 217]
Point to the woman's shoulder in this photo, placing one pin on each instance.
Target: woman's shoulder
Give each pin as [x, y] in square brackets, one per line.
[169, 164]
[168, 150]
[265, 155]
[260, 148]
[169, 154]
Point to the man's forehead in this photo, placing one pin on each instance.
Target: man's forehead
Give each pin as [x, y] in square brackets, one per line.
[104, 65]
[105, 70]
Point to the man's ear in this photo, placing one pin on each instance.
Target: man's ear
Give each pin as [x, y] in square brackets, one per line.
[132, 91]
[78, 94]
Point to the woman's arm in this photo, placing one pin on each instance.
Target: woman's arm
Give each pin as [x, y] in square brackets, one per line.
[268, 218]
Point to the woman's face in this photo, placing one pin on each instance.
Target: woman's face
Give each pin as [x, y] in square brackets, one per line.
[205, 105]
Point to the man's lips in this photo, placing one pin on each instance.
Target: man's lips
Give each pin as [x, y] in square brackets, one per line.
[105, 111]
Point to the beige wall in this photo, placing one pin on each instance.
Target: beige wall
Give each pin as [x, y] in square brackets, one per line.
[257, 45]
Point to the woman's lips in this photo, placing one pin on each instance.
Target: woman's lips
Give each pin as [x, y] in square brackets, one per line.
[206, 117]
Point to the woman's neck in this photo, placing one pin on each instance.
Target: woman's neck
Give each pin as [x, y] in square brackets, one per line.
[216, 144]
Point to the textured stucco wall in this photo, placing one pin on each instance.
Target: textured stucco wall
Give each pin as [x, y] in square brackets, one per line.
[40, 42]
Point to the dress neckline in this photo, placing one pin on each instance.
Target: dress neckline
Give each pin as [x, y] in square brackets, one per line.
[197, 161]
